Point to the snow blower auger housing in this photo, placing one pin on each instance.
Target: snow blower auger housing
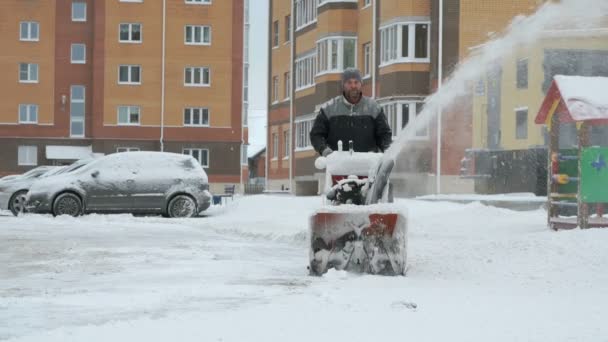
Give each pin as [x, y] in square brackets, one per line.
[358, 230]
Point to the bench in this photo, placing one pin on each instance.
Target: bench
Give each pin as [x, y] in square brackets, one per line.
[229, 190]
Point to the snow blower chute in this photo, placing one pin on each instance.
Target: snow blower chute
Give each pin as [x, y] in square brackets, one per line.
[358, 230]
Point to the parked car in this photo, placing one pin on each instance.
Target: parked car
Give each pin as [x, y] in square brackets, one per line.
[170, 184]
[13, 190]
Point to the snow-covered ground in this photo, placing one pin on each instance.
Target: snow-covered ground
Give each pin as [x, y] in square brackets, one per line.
[475, 273]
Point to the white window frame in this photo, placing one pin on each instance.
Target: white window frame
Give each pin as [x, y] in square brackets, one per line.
[189, 150]
[202, 111]
[198, 2]
[306, 13]
[305, 71]
[303, 127]
[286, 143]
[201, 68]
[127, 149]
[394, 115]
[129, 109]
[129, 73]
[75, 119]
[367, 60]
[275, 146]
[30, 68]
[276, 36]
[391, 43]
[522, 109]
[193, 28]
[27, 155]
[84, 54]
[366, 4]
[286, 85]
[29, 108]
[85, 11]
[130, 40]
[27, 37]
[275, 89]
[325, 51]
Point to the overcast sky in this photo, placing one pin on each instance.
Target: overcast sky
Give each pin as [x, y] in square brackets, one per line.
[258, 70]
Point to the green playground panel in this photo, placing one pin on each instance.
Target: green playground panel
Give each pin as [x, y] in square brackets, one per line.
[594, 175]
[569, 167]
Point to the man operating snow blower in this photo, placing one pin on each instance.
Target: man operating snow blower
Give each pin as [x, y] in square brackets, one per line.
[351, 116]
[358, 230]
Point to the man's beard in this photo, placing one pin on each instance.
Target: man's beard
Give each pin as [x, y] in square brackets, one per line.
[353, 94]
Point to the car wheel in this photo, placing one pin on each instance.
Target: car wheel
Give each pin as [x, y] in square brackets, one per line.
[181, 206]
[67, 204]
[17, 202]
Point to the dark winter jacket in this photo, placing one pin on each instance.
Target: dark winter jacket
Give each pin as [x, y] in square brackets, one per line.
[364, 123]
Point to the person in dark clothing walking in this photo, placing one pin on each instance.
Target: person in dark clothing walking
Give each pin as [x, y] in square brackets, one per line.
[351, 116]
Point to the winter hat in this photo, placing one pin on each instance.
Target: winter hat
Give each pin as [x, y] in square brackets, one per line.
[351, 73]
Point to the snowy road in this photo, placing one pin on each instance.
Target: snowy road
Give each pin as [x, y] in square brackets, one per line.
[476, 273]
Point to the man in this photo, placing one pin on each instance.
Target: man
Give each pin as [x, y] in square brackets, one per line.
[351, 116]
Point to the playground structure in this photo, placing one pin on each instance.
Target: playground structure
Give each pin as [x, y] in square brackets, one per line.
[577, 180]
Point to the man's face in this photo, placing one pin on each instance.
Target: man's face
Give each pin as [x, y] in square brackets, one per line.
[352, 87]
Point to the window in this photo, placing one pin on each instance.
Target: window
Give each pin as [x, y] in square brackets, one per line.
[366, 3]
[305, 71]
[29, 31]
[197, 77]
[335, 54]
[275, 145]
[287, 28]
[306, 12]
[77, 110]
[303, 134]
[403, 113]
[521, 123]
[405, 42]
[275, 33]
[127, 149]
[129, 74]
[27, 155]
[28, 73]
[244, 148]
[197, 35]
[128, 115]
[522, 74]
[285, 144]
[367, 59]
[200, 154]
[28, 113]
[199, 2]
[196, 116]
[246, 83]
[79, 54]
[287, 85]
[79, 11]
[275, 89]
[129, 33]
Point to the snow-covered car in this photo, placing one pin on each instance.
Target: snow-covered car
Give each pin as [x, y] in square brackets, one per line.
[170, 184]
[13, 190]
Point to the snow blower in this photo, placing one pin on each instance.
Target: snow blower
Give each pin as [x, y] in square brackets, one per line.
[358, 229]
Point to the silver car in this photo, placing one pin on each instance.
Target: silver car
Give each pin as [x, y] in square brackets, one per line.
[14, 189]
[170, 184]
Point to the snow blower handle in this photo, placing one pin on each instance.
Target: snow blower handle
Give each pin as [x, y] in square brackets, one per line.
[351, 147]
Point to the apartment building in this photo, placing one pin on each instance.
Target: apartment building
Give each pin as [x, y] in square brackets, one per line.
[97, 77]
[395, 45]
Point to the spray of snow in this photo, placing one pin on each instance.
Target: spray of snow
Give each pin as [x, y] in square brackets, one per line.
[523, 31]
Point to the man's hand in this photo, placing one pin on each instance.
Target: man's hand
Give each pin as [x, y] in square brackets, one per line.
[327, 151]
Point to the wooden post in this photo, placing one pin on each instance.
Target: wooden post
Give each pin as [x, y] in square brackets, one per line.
[583, 208]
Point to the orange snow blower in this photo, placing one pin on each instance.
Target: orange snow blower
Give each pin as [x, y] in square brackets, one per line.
[359, 229]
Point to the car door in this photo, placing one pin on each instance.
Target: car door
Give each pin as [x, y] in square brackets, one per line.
[151, 183]
[110, 187]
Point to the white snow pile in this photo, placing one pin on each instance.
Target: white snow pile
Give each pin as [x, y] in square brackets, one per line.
[585, 96]
[475, 273]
